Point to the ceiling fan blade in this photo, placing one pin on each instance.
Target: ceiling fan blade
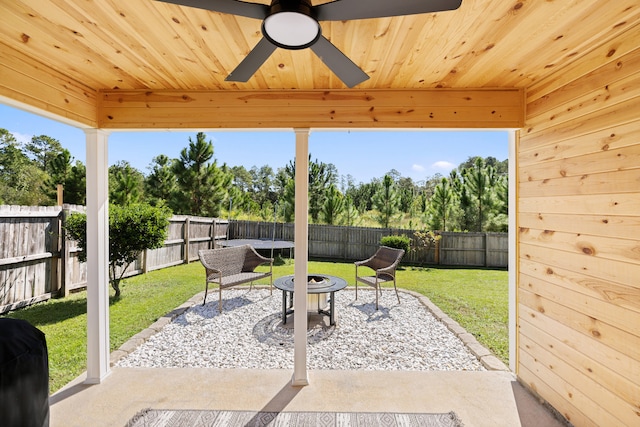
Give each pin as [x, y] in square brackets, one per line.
[234, 7]
[338, 62]
[252, 62]
[357, 9]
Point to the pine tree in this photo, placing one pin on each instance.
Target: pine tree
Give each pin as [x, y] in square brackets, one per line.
[442, 205]
[289, 197]
[43, 149]
[201, 183]
[479, 180]
[59, 173]
[72, 177]
[126, 184]
[332, 206]
[386, 201]
[160, 184]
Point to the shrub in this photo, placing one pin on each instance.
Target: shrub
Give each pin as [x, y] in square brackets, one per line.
[397, 242]
[427, 239]
[132, 229]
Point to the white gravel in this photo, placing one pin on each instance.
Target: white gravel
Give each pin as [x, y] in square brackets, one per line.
[249, 334]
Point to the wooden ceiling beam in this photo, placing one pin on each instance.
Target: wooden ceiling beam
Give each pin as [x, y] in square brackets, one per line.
[428, 108]
[34, 84]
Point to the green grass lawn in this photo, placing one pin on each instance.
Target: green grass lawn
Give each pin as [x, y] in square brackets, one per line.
[476, 298]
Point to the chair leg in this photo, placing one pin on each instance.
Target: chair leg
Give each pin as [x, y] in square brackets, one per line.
[220, 299]
[356, 282]
[270, 285]
[206, 289]
[377, 286]
[394, 287]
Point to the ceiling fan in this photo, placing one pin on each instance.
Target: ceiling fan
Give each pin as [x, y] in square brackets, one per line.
[294, 24]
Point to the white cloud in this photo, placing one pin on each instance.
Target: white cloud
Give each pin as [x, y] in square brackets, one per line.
[444, 165]
[417, 168]
[21, 138]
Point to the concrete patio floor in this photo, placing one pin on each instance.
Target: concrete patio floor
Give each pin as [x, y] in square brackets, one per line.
[491, 398]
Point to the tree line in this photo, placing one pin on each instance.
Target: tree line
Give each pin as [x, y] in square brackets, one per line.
[473, 197]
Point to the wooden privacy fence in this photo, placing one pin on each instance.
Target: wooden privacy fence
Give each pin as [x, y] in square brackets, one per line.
[37, 262]
[356, 243]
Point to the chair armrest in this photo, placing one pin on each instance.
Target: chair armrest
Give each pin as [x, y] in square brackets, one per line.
[387, 270]
[254, 259]
[210, 268]
[391, 269]
[257, 255]
[365, 262]
[212, 273]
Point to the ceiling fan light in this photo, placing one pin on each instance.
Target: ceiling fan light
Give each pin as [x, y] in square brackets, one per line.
[291, 30]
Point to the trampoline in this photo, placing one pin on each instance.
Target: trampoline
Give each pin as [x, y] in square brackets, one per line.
[259, 244]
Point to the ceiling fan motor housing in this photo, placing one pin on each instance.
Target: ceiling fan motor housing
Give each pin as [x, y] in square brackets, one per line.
[291, 24]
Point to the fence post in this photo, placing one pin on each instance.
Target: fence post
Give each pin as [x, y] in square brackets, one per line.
[212, 234]
[486, 249]
[345, 242]
[56, 251]
[65, 256]
[145, 268]
[186, 240]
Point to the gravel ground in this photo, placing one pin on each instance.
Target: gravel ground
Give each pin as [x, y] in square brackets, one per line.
[249, 334]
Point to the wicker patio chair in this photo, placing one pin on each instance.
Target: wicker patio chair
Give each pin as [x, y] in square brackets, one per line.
[227, 267]
[383, 263]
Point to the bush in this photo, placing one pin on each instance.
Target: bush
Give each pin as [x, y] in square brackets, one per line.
[427, 239]
[132, 229]
[397, 242]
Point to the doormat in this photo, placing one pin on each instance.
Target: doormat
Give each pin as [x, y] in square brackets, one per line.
[198, 418]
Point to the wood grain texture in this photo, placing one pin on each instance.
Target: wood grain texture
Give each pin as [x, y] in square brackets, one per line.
[614, 271]
[578, 237]
[624, 135]
[154, 45]
[590, 413]
[608, 226]
[579, 343]
[556, 393]
[607, 247]
[578, 301]
[535, 338]
[615, 407]
[440, 108]
[30, 82]
[626, 296]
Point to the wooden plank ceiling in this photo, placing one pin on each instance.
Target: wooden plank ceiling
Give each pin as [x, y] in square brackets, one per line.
[94, 62]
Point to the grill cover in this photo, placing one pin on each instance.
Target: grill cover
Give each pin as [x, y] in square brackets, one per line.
[24, 375]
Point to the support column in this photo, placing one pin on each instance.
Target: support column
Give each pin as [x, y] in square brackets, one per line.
[301, 240]
[97, 256]
[513, 252]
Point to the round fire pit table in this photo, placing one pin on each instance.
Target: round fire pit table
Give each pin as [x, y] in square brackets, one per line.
[319, 286]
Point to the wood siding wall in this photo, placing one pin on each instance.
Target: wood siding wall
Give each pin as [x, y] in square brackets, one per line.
[578, 161]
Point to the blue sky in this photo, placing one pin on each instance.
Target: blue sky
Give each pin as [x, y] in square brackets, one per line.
[362, 154]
